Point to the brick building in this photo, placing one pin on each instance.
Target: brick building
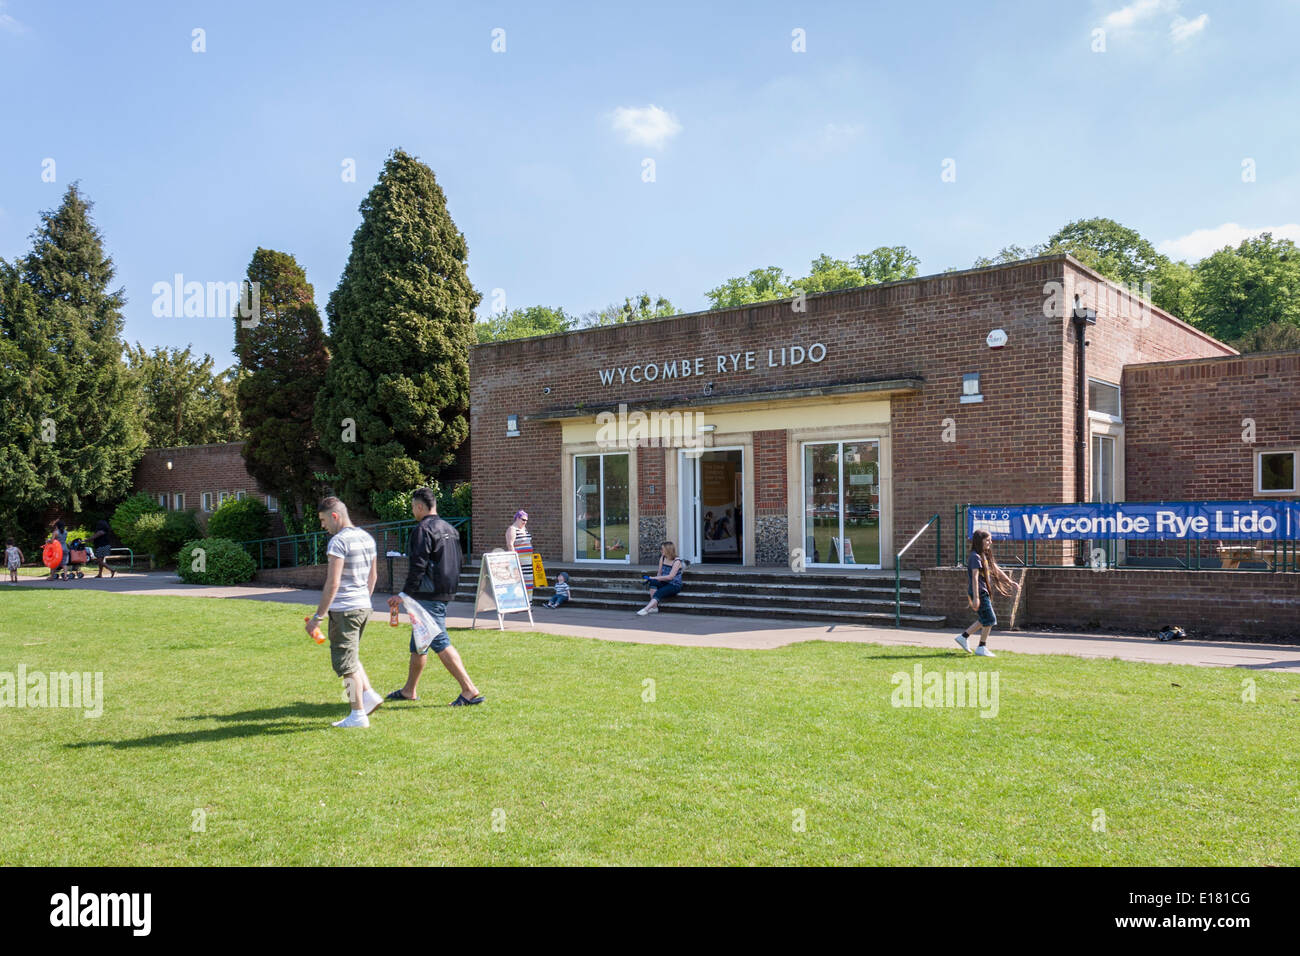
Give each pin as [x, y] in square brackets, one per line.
[839, 424]
[199, 478]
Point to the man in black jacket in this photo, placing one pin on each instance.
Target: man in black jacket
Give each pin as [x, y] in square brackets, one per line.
[434, 561]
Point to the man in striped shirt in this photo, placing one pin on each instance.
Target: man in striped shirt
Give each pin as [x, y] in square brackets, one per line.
[349, 583]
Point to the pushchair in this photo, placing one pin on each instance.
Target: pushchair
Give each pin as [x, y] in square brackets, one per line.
[78, 557]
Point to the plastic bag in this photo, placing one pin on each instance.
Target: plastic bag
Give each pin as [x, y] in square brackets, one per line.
[423, 627]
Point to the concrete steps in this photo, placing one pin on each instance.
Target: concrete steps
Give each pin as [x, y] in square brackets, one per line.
[864, 597]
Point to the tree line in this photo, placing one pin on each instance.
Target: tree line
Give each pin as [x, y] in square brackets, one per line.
[379, 403]
[1244, 295]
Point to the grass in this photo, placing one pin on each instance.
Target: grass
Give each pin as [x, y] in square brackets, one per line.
[218, 711]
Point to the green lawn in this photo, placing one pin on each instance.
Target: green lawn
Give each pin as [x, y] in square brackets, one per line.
[223, 706]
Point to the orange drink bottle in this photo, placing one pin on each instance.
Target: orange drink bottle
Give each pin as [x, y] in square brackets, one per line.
[393, 619]
[316, 635]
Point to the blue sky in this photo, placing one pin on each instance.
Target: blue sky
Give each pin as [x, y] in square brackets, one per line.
[763, 155]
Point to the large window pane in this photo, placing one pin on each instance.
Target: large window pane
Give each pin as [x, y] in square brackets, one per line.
[617, 513]
[821, 503]
[861, 503]
[586, 510]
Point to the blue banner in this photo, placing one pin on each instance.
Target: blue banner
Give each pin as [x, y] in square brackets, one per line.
[1140, 521]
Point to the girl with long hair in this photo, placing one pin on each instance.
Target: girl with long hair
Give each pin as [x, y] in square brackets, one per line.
[982, 573]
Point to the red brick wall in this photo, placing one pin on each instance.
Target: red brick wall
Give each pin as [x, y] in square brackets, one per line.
[1015, 446]
[769, 472]
[1183, 424]
[197, 469]
[1204, 603]
[650, 481]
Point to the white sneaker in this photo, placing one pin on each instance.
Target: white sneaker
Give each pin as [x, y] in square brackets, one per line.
[642, 613]
[961, 642]
[371, 700]
[983, 651]
[353, 720]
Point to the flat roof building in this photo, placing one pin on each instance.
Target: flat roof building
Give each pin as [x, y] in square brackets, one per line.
[828, 430]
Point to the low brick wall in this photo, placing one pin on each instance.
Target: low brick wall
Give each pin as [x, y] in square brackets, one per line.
[1204, 603]
[313, 576]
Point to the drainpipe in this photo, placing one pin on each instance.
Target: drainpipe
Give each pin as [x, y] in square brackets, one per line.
[1082, 318]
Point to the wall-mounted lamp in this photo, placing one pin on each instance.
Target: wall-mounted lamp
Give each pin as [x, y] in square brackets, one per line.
[169, 464]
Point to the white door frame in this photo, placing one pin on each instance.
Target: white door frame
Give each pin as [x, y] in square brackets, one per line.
[690, 516]
[600, 491]
[803, 502]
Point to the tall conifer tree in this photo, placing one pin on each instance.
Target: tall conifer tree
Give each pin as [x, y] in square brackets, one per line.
[394, 406]
[284, 359]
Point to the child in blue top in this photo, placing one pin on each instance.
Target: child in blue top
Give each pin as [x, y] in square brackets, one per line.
[561, 590]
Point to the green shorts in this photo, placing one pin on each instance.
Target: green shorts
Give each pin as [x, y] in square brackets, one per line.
[345, 639]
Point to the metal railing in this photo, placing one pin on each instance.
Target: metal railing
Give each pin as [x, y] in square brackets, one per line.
[1154, 553]
[296, 550]
[898, 559]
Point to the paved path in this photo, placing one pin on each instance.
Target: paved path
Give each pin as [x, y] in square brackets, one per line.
[692, 630]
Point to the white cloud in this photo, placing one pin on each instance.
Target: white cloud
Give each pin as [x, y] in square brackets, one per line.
[646, 125]
[1201, 242]
[1138, 10]
[8, 23]
[1182, 29]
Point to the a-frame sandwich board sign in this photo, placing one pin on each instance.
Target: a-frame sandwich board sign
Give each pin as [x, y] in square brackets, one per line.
[501, 587]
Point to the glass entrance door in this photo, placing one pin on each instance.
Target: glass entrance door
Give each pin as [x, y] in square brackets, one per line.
[602, 509]
[841, 492]
[712, 525]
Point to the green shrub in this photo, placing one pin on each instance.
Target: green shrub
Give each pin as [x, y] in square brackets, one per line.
[392, 505]
[214, 561]
[147, 533]
[128, 513]
[456, 503]
[82, 533]
[240, 520]
[162, 534]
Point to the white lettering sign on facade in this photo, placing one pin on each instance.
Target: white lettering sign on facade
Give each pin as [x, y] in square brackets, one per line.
[745, 360]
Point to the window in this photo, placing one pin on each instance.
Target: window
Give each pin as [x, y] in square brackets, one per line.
[161, 498]
[207, 501]
[1275, 472]
[272, 504]
[240, 495]
[602, 515]
[1103, 400]
[178, 501]
[970, 388]
[223, 498]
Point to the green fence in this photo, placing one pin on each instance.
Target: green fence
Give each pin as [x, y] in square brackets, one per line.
[294, 550]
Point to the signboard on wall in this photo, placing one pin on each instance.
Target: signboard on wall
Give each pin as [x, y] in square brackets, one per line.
[1140, 521]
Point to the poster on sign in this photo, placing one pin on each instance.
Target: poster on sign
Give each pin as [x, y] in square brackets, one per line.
[501, 587]
[1140, 521]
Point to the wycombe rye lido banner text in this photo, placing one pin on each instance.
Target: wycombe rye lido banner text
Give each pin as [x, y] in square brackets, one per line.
[1140, 521]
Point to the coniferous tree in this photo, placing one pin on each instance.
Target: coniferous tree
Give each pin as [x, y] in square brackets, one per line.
[282, 359]
[91, 436]
[393, 409]
[184, 402]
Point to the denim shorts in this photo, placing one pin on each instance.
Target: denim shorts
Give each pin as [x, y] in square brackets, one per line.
[666, 591]
[987, 617]
[438, 611]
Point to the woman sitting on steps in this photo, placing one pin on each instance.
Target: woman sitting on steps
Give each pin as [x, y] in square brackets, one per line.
[669, 578]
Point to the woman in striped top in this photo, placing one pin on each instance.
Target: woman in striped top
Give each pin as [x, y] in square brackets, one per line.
[520, 541]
